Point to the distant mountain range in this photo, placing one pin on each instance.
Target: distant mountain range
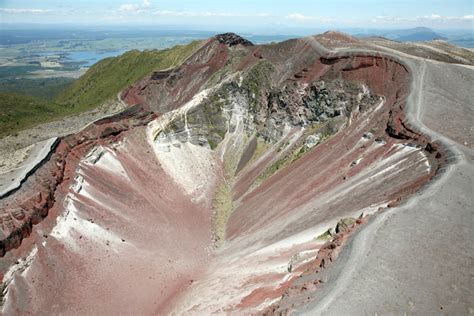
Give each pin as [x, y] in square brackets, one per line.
[416, 34]
[420, 34]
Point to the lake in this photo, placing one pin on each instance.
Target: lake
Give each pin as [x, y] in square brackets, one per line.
[84, 58]
[88, 58]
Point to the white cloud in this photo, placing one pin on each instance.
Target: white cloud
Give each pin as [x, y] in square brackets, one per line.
[435, 17]
[207, 14]
[449, 18]
[128, 8]
[432, 18]
[20, 11]
[391, 19]
[299, 17]
[306, 18]
[135, 7]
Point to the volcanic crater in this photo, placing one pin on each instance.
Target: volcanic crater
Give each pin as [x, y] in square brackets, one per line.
[228, 185]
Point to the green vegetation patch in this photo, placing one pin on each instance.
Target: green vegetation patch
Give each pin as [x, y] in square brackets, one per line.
[282, 163]
[46, 99]
[258, 77]
[223, 205]
[43, 88]
[262, 147]
[17, 71]
[18, 112]
[327, 235]
[108, 77]
[207, 121]
[297, 151]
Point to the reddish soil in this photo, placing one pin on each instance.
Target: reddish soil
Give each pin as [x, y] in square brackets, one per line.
[167, 90]
[31, 205]
[332, 160]
[148, 243]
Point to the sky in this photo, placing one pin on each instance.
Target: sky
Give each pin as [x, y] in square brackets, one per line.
[276, 15]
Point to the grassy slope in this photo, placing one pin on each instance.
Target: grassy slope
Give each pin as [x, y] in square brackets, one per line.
[42, 88]
[111, 75]
[101, 82]
[19, 112]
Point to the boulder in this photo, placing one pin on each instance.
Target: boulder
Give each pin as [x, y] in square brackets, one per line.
[312, 140]
[344, 224]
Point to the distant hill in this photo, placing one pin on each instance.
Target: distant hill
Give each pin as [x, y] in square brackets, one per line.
[416, 34]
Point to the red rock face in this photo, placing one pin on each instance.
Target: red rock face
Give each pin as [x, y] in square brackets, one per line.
[31, 204]
[112, 231]
[100, 245]
[330, 164]
[167, 90]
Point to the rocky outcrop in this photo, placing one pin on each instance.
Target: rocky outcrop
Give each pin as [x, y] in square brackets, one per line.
[344, 224]
[232, 39]
[175, 87]
[296, 293]
[276, 111]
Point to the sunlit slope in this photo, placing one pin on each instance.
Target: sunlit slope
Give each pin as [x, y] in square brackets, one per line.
[109, 76]
[18, 112]
[100, 83]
